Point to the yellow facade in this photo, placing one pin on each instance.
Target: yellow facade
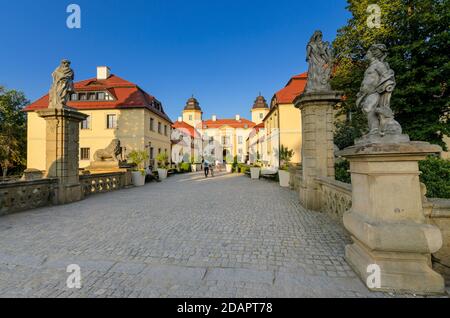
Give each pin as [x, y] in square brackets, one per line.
[192, 117]
[132, 129]
[283, 128]
[258, 115]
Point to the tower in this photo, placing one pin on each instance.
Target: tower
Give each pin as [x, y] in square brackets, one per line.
[259, 109]
[192, 113]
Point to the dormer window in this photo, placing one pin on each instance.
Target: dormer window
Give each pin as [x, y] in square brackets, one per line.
[91, 96]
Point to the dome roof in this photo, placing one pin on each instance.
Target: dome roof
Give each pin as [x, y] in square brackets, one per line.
[260, 102]
[192, 104]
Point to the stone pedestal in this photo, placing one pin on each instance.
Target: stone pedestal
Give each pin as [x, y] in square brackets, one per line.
[387, 221]
[318, 142]
[62, 147]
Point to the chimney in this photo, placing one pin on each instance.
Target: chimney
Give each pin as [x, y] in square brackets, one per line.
[214, 118]
[180, 119]
[103, 72]
[238, 117]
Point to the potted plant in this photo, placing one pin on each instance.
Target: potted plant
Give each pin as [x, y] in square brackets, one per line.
[137, 158]
[283, 173]
[161, 159]
[255, 170]
[229, 165]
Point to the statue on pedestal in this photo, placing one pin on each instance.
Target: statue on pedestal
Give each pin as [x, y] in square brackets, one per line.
[320, 59]
[62, 85]
[374, 98]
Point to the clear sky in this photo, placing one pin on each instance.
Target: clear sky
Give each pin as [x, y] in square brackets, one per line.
[223, 52]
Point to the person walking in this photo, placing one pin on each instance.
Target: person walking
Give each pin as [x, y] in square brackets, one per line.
[206, 168]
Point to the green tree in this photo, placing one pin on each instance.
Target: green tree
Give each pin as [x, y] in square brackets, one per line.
[12, 131]
[417, 35]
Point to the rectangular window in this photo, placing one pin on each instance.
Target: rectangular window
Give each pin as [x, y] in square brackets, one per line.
[82, 96]
[101, 96]
[261, 115]
[92, 96]
[240, 151]
[74, 96]
[86, 124]
[190, 117]
[165, 130]
[159, 127]
[240, 140]
[152, 124]
[85, 154]
[159, 151]
[111, 121]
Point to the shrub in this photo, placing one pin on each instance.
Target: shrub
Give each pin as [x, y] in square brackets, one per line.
[137, 158]
[285, 157]
[243, 168]
[342, 168]
[185, 167]
[162, 160]
[436, 177]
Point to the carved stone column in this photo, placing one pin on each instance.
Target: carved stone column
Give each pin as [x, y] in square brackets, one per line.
[62, 147]
[317, 110]
[387, 221]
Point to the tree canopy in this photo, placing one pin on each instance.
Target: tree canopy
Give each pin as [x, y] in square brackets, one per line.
[416, 33]
[12, 130]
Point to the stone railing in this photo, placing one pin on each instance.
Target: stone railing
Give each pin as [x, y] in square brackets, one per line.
[105, 182]
[437, 212]
[335, 197]
[25, 195]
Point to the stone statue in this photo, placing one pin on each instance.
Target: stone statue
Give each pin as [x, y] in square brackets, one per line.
[374, 97]
[319, 56]
[62, 85]
[111, 153]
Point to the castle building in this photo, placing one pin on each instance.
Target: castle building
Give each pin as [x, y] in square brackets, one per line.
[221, 139]
[117, 109]
[283, 122]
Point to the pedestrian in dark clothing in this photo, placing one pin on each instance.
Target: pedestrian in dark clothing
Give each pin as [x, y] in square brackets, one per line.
[206, 167]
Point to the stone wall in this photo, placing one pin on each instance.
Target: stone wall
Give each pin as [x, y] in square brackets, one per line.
[25, 195]
[437, 212]
[105, 182]
[335, 197]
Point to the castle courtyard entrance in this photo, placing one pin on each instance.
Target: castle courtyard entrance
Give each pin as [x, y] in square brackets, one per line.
[188, 236]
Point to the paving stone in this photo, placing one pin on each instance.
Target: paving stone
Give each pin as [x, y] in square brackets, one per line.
[227, 236]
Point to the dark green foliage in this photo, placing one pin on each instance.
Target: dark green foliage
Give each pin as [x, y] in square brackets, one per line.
[436, 177]
[342, 168]
[418, 38]
[12, 131]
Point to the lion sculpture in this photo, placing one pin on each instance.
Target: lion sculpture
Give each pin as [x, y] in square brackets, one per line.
[111, 153]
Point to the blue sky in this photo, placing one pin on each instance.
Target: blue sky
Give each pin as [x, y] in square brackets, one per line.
[223, 52]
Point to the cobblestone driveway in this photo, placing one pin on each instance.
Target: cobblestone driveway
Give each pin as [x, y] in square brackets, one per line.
[185, 237]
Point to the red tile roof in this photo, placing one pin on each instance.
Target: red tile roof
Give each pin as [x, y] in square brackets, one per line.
[243, 123]
[126, 94]
[256, 129]
[293, 88]
[186, 128]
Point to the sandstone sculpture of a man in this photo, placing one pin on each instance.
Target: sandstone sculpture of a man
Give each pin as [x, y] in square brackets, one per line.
[319, 56]
[375, 94]
[62, 85]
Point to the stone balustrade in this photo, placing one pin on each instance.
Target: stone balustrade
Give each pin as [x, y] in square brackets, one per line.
[105, 182]
[335, 197]
[437, 212]
[24, 195]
